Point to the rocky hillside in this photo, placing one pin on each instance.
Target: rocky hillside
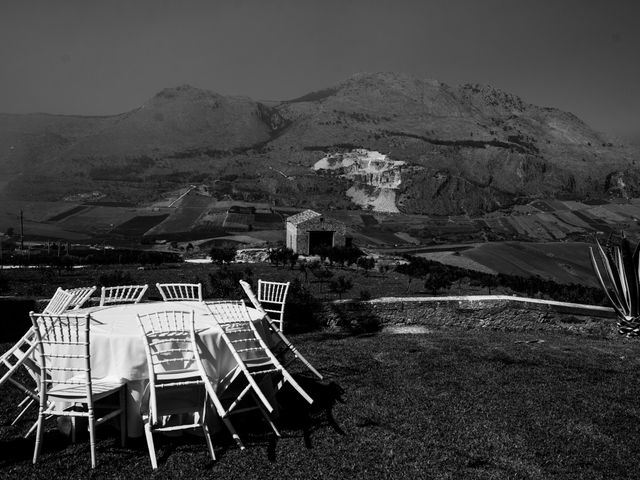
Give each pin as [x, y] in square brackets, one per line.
[466, 149]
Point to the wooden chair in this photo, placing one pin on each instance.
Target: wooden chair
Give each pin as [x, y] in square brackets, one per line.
[180, 291]
[255, 363]
[59, 302]
[287, 353]
[173, 362]
[122, 294]
[272, 296]
[64, 356]
[80, 296]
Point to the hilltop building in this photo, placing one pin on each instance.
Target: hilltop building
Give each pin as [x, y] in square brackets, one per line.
[309, 231]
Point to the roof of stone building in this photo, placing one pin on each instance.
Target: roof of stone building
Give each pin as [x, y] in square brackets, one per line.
[302, 217]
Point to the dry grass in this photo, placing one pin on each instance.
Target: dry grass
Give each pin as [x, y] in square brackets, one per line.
[446, 404]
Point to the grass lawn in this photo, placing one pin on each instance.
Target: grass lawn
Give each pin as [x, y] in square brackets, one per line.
[445, 404]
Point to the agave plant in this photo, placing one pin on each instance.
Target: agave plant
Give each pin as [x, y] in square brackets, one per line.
[619, 276]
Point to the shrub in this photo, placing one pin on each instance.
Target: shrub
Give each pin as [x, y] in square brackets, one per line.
[283, 255]
[222, 255]
[341, 255]
[4, 283]
[302, 310]
[66, 262]
[365, 295]
[359, 319]
[225, 282]
[340, 285]
[366, 263]
[115, 278]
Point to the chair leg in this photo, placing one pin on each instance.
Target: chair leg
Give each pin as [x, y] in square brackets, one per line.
[92, 437]
[207, 437]
[123, 416]
[266, 415]
[73, 429]
[287, 377]
[150, 445]
[39, 432]
[233, 432]
[33, 427]
[31, 401]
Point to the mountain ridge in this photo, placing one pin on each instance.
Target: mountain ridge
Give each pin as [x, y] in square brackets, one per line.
[469, 148]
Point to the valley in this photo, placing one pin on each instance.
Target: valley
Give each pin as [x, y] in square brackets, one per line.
[468, 174]
[547, 238]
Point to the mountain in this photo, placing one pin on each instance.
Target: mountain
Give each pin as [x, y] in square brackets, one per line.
[456, 149]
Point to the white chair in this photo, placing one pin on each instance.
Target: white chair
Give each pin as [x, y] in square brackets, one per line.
[64, 358]
[272, 296]
[288, 353]
[172, 292]
[20, 355]
[59, 302]
[122, 294]
[173, 362]
[80, 296]
[255, 363]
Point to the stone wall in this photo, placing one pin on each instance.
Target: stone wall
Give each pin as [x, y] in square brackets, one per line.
[494, 312]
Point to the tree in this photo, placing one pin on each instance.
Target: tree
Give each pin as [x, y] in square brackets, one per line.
[283, 255]
[222, 255]
[366, 263]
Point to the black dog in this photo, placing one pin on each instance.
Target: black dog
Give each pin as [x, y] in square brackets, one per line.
[295, 411]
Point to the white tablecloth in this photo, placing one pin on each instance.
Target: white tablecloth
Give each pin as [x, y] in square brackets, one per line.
[117, 348]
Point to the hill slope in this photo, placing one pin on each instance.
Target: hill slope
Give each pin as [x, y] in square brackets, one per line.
[464, 149]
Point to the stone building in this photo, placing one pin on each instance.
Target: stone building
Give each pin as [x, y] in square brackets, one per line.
[309, 231]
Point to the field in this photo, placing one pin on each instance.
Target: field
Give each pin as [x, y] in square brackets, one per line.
[137, 226]
[190, 214]
[561, 262]
[66, 213]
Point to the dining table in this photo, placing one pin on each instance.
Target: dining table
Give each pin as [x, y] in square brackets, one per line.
[118, 347]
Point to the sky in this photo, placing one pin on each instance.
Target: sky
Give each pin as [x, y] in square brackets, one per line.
[105, 57]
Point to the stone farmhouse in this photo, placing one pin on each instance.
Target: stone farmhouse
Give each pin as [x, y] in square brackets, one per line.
[309, 231]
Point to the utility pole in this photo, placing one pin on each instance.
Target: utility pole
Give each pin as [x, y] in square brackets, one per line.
[21, 231]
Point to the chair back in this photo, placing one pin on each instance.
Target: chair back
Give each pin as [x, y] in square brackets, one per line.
[272, 296]
[80, 296]
[239, 331]
[171, 351]
[172, 292]
[64, 355]
[18, 355]
[59, 302]
[252, 296]
[122, 294]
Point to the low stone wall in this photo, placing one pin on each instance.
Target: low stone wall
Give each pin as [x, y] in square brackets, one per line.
[496, 312]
